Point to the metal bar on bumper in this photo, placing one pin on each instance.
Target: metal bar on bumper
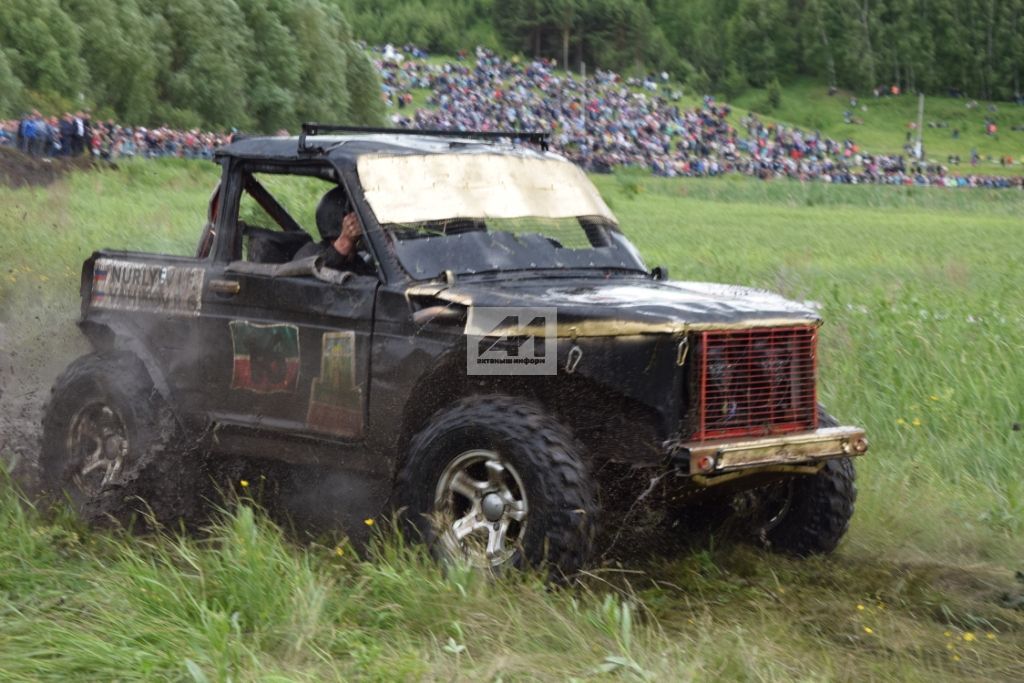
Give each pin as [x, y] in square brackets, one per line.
[711, 457]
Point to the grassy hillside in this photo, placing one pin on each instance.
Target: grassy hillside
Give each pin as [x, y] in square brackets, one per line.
[921, 292]
[881, 128]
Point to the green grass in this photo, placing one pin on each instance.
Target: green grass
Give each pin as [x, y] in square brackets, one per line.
[808, 105]
[922, 342]
[920, 290]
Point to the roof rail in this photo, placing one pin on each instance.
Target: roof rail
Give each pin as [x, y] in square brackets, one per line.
[314, 129]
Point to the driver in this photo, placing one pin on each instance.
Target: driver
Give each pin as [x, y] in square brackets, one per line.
[340, 232]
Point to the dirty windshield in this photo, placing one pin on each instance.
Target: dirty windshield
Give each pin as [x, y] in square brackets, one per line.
[471, 245]
[479, 213]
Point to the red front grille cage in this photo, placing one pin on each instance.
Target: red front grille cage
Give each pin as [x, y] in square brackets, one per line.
[756, 382]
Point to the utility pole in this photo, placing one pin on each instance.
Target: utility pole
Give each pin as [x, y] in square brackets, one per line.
[919, 147]
[565, 49]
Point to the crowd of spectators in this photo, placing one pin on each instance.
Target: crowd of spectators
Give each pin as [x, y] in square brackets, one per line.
[600, 122]
[76, 134]
[604, 121]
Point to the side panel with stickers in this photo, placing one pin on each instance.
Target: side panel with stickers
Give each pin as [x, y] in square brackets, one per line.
[136, 286]
[288, 354]
[335, 399]
[266, 357]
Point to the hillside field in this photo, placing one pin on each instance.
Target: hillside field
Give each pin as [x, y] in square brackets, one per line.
[880, 124]
[921, 291]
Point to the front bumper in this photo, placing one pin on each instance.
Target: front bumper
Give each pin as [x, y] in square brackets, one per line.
[804, 448]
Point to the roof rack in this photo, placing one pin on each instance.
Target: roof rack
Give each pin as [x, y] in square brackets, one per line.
[314, 129]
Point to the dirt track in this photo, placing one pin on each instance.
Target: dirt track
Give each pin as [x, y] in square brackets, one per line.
[32, 352]
[26, 374]
[19, 170]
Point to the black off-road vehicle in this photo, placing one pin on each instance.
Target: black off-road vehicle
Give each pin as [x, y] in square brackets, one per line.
[496, 362]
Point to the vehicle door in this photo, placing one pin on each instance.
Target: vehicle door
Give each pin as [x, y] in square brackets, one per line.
[284, 352]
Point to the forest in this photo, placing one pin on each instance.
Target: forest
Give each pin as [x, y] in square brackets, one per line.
[973, 47]
[248, 64]
[265, 64]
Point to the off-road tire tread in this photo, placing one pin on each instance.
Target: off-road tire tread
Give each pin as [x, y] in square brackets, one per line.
[551, 451]
[821, 508]
[163, 480]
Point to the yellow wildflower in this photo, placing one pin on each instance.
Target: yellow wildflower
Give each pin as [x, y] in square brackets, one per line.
[868, 630]
[990, 636]
[244, 483]
[368, 521]
[948, 634]
[956, 658]
[860, 608]
[900, 421]
[339, 551]
[916, 422]
[969, 637]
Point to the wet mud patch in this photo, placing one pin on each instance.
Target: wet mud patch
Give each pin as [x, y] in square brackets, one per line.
[21, 170]
[27, 372]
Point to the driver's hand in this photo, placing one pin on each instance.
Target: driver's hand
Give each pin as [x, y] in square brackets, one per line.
[351, 231]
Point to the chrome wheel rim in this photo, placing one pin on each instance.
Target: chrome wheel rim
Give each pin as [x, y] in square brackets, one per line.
[97, 446]
[481, 507]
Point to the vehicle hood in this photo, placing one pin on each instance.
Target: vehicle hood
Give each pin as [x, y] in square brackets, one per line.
[621, 307]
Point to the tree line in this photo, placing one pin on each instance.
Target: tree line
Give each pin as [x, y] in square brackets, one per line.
[266, 64]
[975, 47]
[251, 64]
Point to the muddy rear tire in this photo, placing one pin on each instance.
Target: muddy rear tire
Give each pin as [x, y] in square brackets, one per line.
[112, 448]
[496, 481]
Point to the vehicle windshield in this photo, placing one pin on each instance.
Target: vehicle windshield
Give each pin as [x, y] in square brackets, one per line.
[483, 212]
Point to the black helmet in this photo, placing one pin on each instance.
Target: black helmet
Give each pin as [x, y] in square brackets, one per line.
[332, 208]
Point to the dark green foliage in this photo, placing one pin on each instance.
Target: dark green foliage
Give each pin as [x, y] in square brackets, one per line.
[444, 27]
[758, 38]
[974, 46]
[774, 93]
[699, 82]
[116, 42]
[251, 64]
[10, 88]
[266, 64]
[735, 83]
[43, 45]
[366, 104]
[205, 71]
[274, 69]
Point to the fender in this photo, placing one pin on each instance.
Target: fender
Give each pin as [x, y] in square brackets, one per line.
[113, 335]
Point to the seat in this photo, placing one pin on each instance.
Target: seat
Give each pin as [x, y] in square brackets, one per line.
[273, 246]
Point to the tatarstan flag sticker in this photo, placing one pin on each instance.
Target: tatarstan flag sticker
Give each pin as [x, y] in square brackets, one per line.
[266, 357]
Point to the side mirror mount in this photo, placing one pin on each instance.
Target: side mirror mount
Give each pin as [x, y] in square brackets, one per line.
[659, 273]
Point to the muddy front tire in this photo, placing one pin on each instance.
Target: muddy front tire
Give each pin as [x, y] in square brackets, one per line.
[111, 446]
[498, 482]
[818, 511]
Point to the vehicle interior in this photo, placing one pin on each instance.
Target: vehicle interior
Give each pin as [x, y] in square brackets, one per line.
[276, 215]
